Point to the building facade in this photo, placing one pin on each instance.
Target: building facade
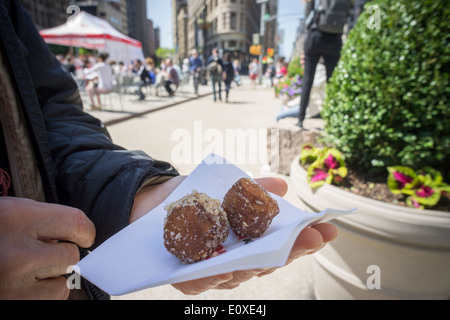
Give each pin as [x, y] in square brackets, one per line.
[47, 13]
[228, 25]
[180, 17]
[127, 16]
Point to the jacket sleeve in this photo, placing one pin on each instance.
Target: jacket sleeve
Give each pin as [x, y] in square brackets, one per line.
[91, 172]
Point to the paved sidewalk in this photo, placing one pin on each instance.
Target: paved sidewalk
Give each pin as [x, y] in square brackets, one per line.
[152, 133]
[126, 106]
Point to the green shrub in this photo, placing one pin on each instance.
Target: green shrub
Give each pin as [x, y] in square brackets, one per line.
[388, 99]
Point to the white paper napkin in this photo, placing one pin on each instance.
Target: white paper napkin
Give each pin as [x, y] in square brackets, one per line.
[135, 258]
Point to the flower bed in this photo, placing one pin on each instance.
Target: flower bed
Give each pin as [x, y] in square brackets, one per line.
[424, 189]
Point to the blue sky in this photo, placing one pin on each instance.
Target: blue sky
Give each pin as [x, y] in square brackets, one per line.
[289, 12]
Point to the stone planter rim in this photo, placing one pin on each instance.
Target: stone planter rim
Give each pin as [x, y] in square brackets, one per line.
[376, 212]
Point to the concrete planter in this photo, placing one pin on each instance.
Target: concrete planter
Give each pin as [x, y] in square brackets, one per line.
[383, 252]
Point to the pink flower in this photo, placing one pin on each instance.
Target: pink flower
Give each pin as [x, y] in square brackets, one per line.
[319, 175]
[425, 191]
[414, 203]
[402, 179]
[331, 162]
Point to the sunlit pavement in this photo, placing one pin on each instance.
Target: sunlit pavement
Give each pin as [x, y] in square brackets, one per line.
[159, 134]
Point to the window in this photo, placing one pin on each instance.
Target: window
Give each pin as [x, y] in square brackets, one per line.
[242, 24]
[233, 21]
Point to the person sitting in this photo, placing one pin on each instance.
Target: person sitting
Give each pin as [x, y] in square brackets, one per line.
[146, 78]
[170, 75]
[101, 80]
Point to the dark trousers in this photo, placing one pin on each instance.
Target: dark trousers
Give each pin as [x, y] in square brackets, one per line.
[218, 80]
[318, 44]
[168, 88]
[142, 84]
[196, 78]
[227, 87]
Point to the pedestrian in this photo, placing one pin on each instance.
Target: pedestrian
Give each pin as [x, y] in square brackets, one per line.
[271, 73]
[253, 70]
[325, 25]
[195, 68]
[237, 72]
[67, 185]
[101, 79]
[228, 73]
[214, 67]
[185, 71]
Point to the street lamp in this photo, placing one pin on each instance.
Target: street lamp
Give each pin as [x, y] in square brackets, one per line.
[262, 30]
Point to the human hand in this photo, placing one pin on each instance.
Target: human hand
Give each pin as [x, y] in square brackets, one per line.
[309, 241]
[32, 258]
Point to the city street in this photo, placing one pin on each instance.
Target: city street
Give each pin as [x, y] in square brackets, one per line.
[184, 133]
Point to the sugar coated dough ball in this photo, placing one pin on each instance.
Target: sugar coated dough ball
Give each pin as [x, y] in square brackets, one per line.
[195, 227]
[250, 208]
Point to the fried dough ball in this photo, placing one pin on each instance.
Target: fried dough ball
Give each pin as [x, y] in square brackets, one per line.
[250, 208]
[195, 227]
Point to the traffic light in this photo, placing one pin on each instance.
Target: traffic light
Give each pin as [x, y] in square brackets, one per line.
[270, 52]
[255, 50]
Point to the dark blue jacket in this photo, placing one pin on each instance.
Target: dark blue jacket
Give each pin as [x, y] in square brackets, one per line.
[79, 163]
[195, 63]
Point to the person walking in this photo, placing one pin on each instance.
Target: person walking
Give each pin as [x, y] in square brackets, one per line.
[253, 70]
[237, 72]
[325, 25]
[214, 67]
[195, 68]
[228, 73]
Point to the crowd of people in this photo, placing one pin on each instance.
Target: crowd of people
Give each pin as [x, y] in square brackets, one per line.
[217, 69]
[98, 75]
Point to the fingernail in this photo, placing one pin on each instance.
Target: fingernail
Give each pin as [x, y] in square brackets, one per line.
[316, 249]
[219, 279]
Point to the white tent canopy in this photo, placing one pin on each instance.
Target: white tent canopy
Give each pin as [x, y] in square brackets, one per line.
[90, 32]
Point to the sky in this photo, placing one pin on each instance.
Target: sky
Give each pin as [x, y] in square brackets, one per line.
[289, 13]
